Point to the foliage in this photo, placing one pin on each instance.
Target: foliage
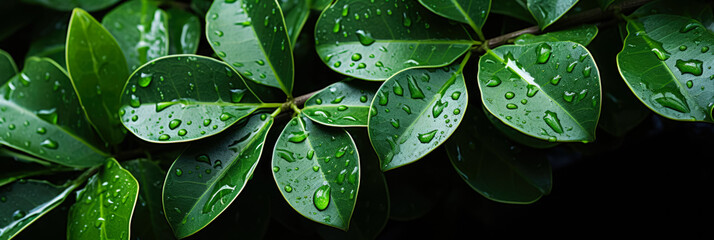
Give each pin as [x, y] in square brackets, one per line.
[160, 131]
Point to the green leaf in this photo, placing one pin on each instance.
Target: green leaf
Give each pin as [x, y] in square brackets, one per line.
[185, 97]
[141, 29]
[210, 174]
[666, 62]
[375, 41]
[495, 167]
[517, 136]
[53, 126]
[343, 103]
[296, 13]
[25, 201]
[320, 5]
[105, 206]
[416, 111]
[49, 38]
[67, 5]
[253, 38]
[17, 166]
[471, 12]
[582, 34]
[548, 90]
[512, 8]
[184, 32]
[317, 169]
[701, 10]
[546, 12]
[98, 71]
[8, 68]
[148, 220]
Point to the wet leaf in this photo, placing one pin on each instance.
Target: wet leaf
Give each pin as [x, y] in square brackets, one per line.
[184, 32]
[546, 12]
[296, 13]
[376, 40]
[471, 12]
[517, 136]
[582, 34]
[210, 174]
[414, 112]
[496, 167]
[148, 220]
[25, 201]
[253, 39]
[67, 5]
[105, 206]
[98, 71]
[548, 90]
[52, 127]
[141, 29]
[17, 166]
[667, 63]
[701, 10]
[343, 103]
[317, 169]
[512, 8]
[184, 97]
[7, 67]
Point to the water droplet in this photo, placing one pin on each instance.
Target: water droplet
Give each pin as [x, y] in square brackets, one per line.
[18, 214]
[225, 117]
[145, 80]
[310, 154]
[336, 27]
[551, 118]
[555, 80]
[341, 152]
[363, 99]
[705, 49]
[321, 198]
[135, 102]
[315, 168]
[586, 71]
[288, 188]
[356, 57]
[338, 99]
[49, 115]
[218, 33]
[543, 50]
[383, 97]
[286, 155]
[493, 82]
[438, 108]
[407, 109]
[426, 137]
[689, 27]
[49, 143]
[394, 122]
[510, 95]
[276, 169]
[173, 124]
[398, 90]
[571, 66]
[164, 137]
[568, 96]
[416, 92]
[237, 95]
[457, 111]
[531, 90]
[406, 20]
[297, 137]
[682, 48]
[511, 106]
[693, 67]
[455, 95]
[179, 172]
[41, 130]
[364, 38]
[206, 122]
[690, 84]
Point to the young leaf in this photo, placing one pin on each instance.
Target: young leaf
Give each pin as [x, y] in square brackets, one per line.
[17, 166]
[184, 97]
[210, 174]
[49, 38]
[471, 12]
[66, 5]
[184, 32]
[41, 115]
[252, 37]
[495, 167]
[582, 34]
[548, 90]
[98, 70]
[25, 201]
[105, 206]
[546, 12]
[148, 221]
[512, 8]
[343, 103]
[376, 40]
[296, 13]
[317, 169]
[668, 70]
[141, 29]
[7, 67]
[416, 111]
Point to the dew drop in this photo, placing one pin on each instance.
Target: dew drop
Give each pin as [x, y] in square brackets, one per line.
[551, 118]
[543, 50]
[426, 137]
[321, 198]
[693, 67]
[397, 88]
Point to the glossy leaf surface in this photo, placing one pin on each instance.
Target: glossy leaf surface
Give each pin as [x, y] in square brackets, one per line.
[317, 169]
[320, 5]
[52, 127]
[7, 67]
[252, 37]
[17, 166]
[67, 5]
[701, 10]
[211, 173]
[184, 97]
[667, 63]
[414, 112]
[512, 8]
[517, 136]
[184, 32]
[496, 167]
[548, 90]
[98, 71]
[148, 220]
[24, 201]
[105, 206]
[582, 34]
[296, 13]
[375, 40]
[141, 29]
[546, 12]
[471, 12]
[343, 103]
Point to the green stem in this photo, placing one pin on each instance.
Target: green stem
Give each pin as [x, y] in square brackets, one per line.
[276, 112]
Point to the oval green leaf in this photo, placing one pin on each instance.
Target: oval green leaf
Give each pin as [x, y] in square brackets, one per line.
[148, 221]
[17, 166]
[98, 71]
[52, 127]
[141, 29]
[376, 40]
[414, 112]
[582, 34]
[67, 5]
[210, 174]
[495, 167]
[548, 90]
[184, 32]
[7, 67]
[317, 169]
[25, 201]
[252, 38]
[667, 63]
[471, 12]
[184, 97]
[343, 103]
[546, 12]
[296, 13]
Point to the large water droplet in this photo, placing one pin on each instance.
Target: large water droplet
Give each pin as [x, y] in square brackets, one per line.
[494, 81]
[49, 143]
[531, 90]
[416, 92]
[394, 122]
[398, 90]
[438, 108]
[321, 198]
[237, 95]
[297, 137]
[551, 118]
[693, 67]
[364, 38]
[49, 115]
[426, 137]
[173, 124]
[543, 50]
[135, 102]
[383, 97]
